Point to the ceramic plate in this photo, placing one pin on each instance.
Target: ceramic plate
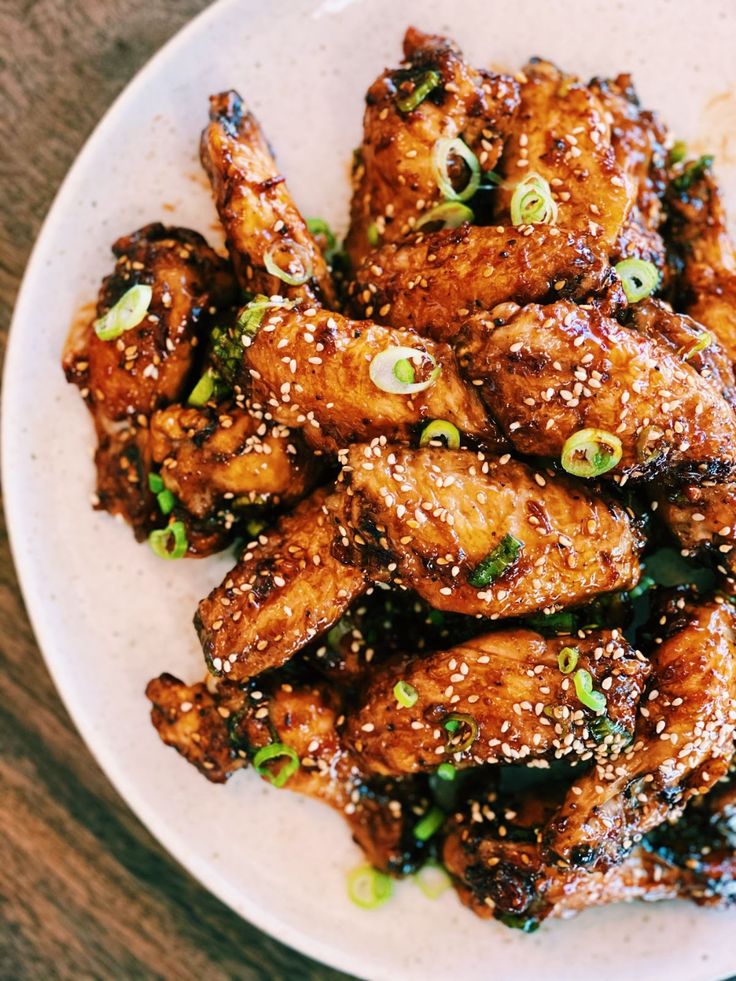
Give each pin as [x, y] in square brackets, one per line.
[109, 614]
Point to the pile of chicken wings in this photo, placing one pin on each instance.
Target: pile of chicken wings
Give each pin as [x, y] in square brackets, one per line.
[447, 453]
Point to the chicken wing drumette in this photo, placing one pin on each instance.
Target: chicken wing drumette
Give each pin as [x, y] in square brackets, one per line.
[434, 96]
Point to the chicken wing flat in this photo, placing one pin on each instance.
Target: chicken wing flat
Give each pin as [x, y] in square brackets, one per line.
[311, 369]
[508, 699]
[149, 365]
[223, 457]
[286, 589]
[480, 535]
[561, 132]
[220, 731]
[684, 742]
[698, 232]
[262, 224]
[433, 281]
[394, 180]
[548, 372]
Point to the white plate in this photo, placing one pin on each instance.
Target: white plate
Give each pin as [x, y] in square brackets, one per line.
[109, 615]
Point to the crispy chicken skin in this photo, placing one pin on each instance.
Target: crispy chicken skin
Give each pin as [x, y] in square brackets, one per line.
[150, 365]
[684, 741]
[255, 207]
[393, 180]
[503, 681]
[427, 523]
[123, 461]
[218, 731]
[286, 589]
[550, 371]
[433, 281]
[698, 233]
[311, 368]
[221, 455]
[562, 133]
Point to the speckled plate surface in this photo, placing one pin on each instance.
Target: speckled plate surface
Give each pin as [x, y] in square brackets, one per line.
[109, 615]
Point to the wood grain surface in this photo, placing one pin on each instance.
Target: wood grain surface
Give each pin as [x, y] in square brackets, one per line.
[85, 892]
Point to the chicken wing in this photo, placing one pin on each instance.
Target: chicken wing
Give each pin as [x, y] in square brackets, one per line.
[703, 519]
[684, 742]
[508, 699]
[561, 133]
[394, 179]
[433, 281]
[262, 224]
[548, 372]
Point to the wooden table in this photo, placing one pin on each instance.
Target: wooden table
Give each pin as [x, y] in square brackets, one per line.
[85, 891]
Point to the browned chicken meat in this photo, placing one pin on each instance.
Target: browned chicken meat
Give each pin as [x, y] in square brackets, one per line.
[412, 113]
[684, 741]
[433, 281]
[504, 697]
[271, 247]
[548, 373]
[703, 519]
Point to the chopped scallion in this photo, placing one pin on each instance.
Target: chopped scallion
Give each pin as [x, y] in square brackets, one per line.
[372, 234]
[126, 314]
[446, 771]
[423, 85]
[567, 659]
[275, 751]
[441, 430]
[170, 542]
[155, 483]
[442, 151]
[462, 729]
[405, 694]
[319, 228]
[678, 152]
[432, 879]
[594, 700]
[498, 560]
[703, 342]
[448, 214]
[394, 370]
[166, 501]
[296, 253]
[532, 202]
[429, 824]
[369, 888]
[591, 452]
[639, 278]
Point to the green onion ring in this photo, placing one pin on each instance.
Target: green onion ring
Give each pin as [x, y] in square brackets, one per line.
[392, 369]
[318, 226]
[639, 278]
[275, 751]
[441, 429]
[300, 254]
[166, 501]
[703, 342]
[644, 453]
[369, 888]
[441, 152]
[594, 700]
[160, 539]
[432, 879]
[498, 560]
[567, 659]
[452, 214]
[591, 452]
[429, 825]
[428, 81]
[532, 202]
[126, 314]
[643, 586]
[446, 771]
[451, 724]
[405, 694]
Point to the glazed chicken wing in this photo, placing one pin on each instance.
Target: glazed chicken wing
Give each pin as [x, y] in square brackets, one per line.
[561, 133]
[508, 699]
[703, 519]
[433, 281]
[261, 221]
[548, 372]
[684, 742]
[394, 181]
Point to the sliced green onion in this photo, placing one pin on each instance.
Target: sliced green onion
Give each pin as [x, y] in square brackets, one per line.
[494, 180]
[704, 341]
[127, 313]
[446, 771]
[405, 694]
[452, 723]
[643, 586]
[594, 700]
[441, 429]
[155, 483]
[275, 751]
[498, 560]
[300, 254]
[432, 879]
[318, 226]
[564, 622]
[429, 825]
[639, 278]
[162, 540]
[451, 214]
[601, 727]
[693, 172]
[202, 391]
[372, 234]
[424, 85]
[441, 152]
[166, 501]
[567, 659]
[591, 452]
[393, 370]
[648, 445]
[250, 317]
[678, 152]
[369, 888]
[532, 202]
